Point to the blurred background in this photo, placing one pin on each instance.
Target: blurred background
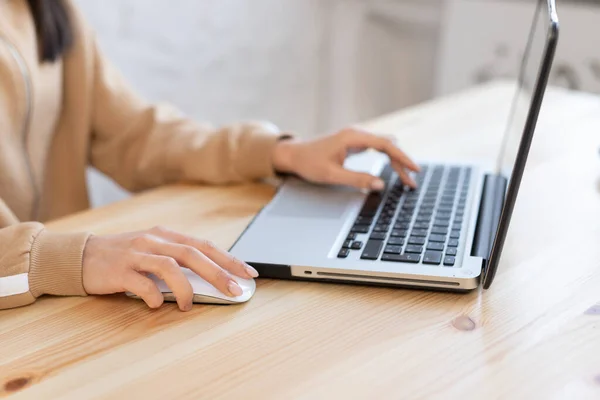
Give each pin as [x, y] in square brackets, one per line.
[313, 66]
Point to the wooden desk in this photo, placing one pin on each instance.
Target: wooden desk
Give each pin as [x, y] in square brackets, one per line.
[534, 335]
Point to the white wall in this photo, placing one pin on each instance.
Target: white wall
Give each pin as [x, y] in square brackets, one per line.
[217, 60]
[495, 51]
[220, 60]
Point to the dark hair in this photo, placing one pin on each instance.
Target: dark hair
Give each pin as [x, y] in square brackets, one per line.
[53, 27]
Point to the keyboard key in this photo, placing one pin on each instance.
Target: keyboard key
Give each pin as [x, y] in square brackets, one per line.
[453, 243]
[371, 204]
[402, 225]
[396, 241]
[384, 220]
[343, 253]
[357, 245]
[394, 196]
[419, 232]
[432, 257]
[404, 219]
[451, 251]
[449, 261]
[457, 227]
[381, 228]
[455, 234]
[435, 246]
[419, 241]
[407, 258]
[360, 228]
[458, 220]
[413, 249]
[424, 220]
[378, 235]
[441, 223]
[347, 244]
[421, 225]
[392, 249]
[439, 231]
[399, 233]
[364, 220]
[372, 250]
[437, 238]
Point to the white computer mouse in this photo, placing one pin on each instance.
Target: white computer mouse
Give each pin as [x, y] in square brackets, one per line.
[204, 292]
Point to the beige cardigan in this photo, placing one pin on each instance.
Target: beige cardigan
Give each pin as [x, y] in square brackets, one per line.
[56, 119]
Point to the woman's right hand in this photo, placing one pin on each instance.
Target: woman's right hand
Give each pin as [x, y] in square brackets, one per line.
[121, 263]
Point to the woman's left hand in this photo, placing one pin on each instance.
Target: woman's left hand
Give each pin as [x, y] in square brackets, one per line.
[321, 160]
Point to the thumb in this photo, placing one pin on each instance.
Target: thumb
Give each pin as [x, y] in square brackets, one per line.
[360, 180]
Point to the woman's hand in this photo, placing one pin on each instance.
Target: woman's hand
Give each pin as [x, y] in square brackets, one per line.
[121, 263]
[321, 160]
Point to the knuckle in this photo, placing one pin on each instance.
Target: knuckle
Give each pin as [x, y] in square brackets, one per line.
[207, 245]
[158, 229]
[147, 287]
[168, 264]
[236, 261]
[346, 133]
[222, 276]
[188, 253]
[142, 240]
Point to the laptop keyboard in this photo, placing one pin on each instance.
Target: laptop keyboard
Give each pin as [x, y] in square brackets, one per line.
[413, 226]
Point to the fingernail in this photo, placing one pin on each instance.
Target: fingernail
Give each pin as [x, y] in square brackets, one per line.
[188, 307]
[251, 271]
[234, 289]
[378, 185]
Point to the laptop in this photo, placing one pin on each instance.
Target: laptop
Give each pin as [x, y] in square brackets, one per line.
[447, 234]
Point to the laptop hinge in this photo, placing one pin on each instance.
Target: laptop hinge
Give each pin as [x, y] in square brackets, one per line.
[490, 210]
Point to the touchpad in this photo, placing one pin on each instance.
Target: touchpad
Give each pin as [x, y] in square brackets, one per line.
[303, 200]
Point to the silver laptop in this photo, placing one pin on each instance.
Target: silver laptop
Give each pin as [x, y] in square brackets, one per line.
[448, 234]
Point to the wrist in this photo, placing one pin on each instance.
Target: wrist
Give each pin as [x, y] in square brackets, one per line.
[283, 154]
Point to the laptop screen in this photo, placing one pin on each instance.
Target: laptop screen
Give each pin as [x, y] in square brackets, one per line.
[533, 78]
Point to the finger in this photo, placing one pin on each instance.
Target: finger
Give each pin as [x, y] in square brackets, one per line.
[167, 269]
[404, 176]
[144, 288]
[360, 180]
[358, 138]
[218, 256]
[193, 259]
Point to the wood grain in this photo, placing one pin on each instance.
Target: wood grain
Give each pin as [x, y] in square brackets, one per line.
[535, 334]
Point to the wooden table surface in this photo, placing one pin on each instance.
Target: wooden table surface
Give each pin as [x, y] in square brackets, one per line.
[534, 335]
